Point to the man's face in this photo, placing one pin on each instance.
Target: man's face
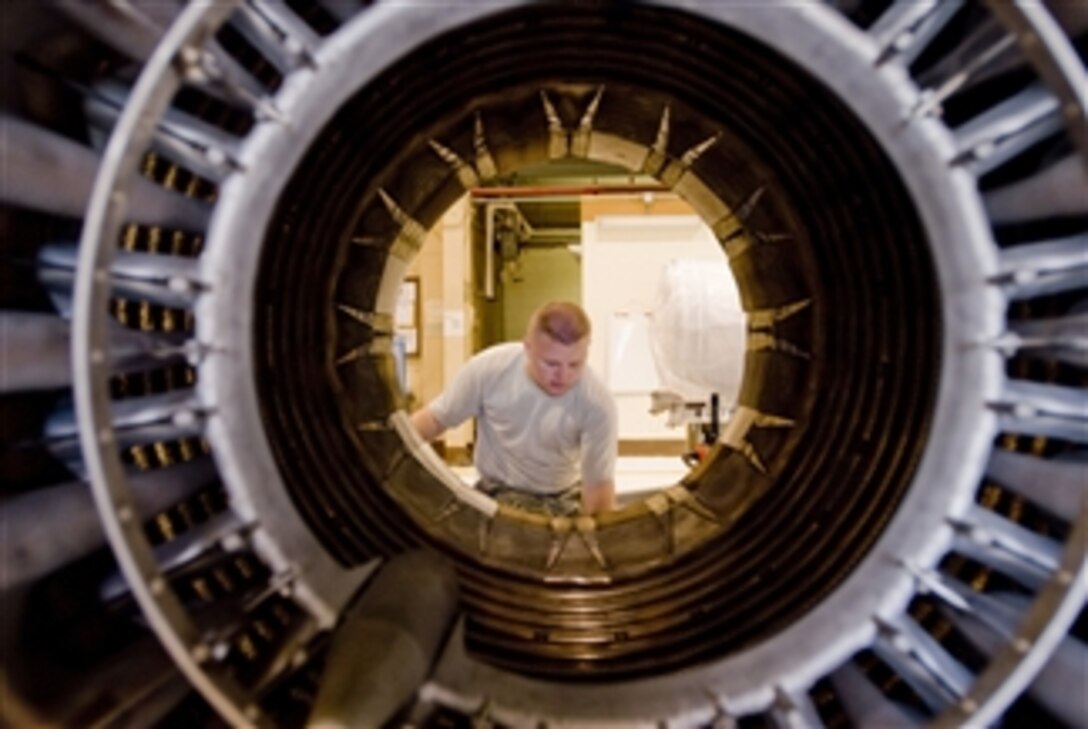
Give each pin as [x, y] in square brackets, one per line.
[555, 367]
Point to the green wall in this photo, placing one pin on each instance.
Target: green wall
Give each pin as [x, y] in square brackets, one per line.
[546, 274]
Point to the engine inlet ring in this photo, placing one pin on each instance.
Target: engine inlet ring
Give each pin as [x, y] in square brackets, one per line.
[939, 168]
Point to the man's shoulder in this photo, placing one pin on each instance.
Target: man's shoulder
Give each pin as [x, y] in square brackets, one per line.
[595, 392]
[497, 357]
[502, 353]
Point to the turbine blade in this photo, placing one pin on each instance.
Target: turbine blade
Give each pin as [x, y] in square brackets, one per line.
[1060, 487]
[56, 175]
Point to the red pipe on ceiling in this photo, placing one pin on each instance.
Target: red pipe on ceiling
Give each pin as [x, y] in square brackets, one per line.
[487, 193]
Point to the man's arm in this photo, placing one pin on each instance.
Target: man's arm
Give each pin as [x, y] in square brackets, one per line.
[427, 425]
[599, 497]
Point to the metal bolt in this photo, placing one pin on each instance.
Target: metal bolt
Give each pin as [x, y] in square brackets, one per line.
[200, 652]
[179, 284]
[984, 150]
[1024, 411]
[185, 418]
[233, 543]
[216, 156]
[1023, 276]
[220, 650]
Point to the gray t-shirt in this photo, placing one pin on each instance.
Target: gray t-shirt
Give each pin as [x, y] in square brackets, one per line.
[526, 438]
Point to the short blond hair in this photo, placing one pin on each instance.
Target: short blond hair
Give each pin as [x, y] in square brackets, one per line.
[563, 321]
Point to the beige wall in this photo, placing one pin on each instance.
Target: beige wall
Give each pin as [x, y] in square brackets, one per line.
[425, 370]
[626, 246]
[648, 204]
[443, 267]
[457, 310]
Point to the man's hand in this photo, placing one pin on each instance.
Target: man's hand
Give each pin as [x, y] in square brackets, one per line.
[427, 425]
[599, 497]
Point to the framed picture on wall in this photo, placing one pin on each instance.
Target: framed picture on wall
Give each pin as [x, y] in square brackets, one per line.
[406, 318]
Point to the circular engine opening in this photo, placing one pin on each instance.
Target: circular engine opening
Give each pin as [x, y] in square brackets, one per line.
[834, 276]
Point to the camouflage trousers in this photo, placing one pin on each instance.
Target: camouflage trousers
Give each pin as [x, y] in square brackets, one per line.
[567, 502]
